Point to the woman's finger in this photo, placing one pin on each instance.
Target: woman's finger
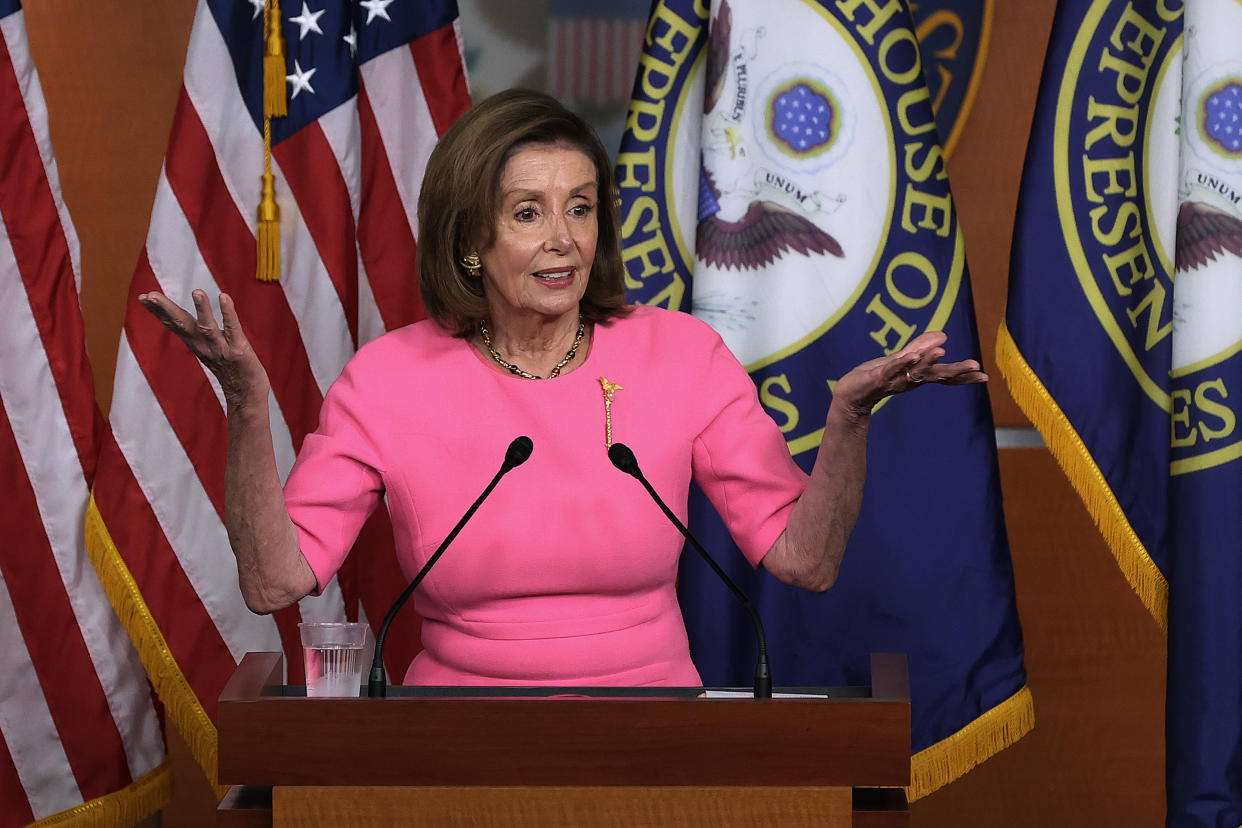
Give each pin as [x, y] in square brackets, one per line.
[202, 306]
[169, 313]
[233, 333]
[967, 378]
[928, 369]
[925, 342]
[958, 373]
[228, 317]
[916, 367]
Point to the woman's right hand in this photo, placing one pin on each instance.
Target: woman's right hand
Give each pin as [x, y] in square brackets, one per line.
[272, 572]
[225, 351]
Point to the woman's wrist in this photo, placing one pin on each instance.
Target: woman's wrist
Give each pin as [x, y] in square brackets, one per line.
[247, 400]
[852, 413]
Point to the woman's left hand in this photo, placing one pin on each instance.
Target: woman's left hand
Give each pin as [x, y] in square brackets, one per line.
[916, 364]
[808, 553]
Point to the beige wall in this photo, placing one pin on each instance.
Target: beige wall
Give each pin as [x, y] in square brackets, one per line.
[111, 74]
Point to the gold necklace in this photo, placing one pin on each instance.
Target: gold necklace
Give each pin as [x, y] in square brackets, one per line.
[516, 371]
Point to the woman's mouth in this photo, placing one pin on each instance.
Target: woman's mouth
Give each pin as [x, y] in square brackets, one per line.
[553, 275]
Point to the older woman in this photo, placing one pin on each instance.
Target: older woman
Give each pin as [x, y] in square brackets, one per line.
[566, 574]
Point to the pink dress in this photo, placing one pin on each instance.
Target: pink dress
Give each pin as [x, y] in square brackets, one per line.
[566, 574]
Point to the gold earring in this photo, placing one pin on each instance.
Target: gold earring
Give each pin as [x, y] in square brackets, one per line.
[472, 263]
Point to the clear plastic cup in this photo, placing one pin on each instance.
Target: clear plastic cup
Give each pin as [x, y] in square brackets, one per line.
[334, 656]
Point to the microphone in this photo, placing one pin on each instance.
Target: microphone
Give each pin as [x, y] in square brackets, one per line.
[377, 683]
[624, 459]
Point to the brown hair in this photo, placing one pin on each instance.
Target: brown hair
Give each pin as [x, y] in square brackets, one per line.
[460, 201]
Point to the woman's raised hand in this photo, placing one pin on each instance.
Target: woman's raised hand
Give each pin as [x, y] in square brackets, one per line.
[916, 364]
[225, 351]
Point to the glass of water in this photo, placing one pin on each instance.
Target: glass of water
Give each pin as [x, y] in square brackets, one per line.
[334, 655]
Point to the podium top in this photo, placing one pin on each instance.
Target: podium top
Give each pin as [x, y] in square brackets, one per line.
[271, 734]
[577, 692]
[260, 675]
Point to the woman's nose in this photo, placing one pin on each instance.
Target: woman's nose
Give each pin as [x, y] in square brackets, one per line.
[559, 237]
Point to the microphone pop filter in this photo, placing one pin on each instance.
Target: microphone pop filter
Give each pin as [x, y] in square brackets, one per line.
[623, 458]
[518, 452]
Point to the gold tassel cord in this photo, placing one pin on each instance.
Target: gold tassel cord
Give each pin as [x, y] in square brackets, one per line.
[274, 103]
[274, 106]
[1088, 481]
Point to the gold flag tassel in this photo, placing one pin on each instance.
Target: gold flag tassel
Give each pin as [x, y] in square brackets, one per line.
[274, 103]
[274, 106]
[269, 225]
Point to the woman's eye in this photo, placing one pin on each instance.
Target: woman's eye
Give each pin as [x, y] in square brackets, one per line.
[582, 209]
[525, 214]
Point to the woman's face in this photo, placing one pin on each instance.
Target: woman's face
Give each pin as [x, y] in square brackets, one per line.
[546, 232]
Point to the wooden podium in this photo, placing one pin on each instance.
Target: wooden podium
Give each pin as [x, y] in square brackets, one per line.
[616, 756]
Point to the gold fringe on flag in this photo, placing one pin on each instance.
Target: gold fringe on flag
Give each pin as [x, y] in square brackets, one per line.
[128, 806]
[183, 707]
[1075, 460]
[275, 105]
[989, 734]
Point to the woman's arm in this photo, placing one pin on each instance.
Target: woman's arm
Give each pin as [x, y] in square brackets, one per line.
[271, 569]
[808, 553]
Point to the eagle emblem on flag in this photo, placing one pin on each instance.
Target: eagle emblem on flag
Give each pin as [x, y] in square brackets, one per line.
[1203, 233]
[802, 121]
[1203, 230]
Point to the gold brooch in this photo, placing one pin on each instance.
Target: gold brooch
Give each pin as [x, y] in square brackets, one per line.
[609, 388]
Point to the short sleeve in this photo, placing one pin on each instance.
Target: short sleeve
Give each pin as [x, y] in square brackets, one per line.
[336, 482]
[741, 460]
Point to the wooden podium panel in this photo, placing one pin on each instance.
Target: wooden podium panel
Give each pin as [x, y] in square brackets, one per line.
[565, 757]
[559, 807]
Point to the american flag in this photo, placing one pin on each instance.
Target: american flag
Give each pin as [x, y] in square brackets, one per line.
[371, 86]
[594, 49]
[79, 736]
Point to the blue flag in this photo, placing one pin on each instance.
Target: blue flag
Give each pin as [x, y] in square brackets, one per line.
[1123, 338]
[781, 178]
[953, 38]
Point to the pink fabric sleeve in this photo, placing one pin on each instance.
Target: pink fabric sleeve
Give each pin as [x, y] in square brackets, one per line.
[742, 462]
[336, 481]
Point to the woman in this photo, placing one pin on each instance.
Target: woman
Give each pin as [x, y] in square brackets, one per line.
[566, 574]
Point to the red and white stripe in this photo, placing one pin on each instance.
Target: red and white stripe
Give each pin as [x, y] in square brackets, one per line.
[77, 720]
[347, 187]
[594, 60]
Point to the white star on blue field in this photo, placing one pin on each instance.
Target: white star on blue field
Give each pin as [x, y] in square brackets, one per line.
[1222, 110]
[802, 118]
